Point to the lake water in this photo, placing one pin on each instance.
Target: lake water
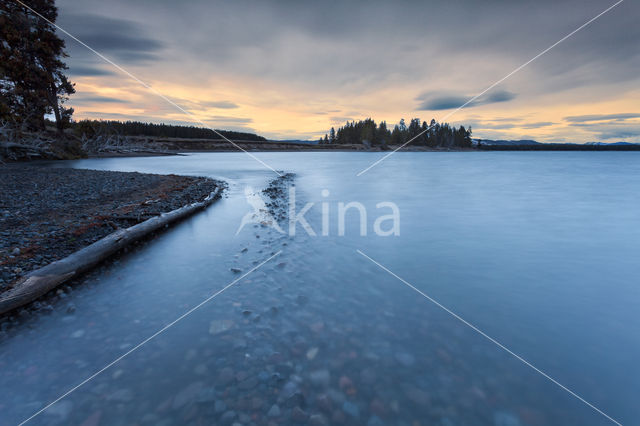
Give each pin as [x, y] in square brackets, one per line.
[539, 250]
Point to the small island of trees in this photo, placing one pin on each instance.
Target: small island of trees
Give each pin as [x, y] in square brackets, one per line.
[367, 132]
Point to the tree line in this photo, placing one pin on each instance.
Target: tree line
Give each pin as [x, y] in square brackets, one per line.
[434, 135]
[32, 73]
[89, 128]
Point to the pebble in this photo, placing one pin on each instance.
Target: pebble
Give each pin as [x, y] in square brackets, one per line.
[220, 326]
[61, 409]
[351, 409]
[248, 384]
[317, 420]
[405, 359]
[187, 395]
[375, 421]
[121, 395]
[228, 417]
[320, 378]
[311, 353]
[219, 406]
[504, 418]
[77, 334]
[225, 376]
[274, 411]
[299, 415]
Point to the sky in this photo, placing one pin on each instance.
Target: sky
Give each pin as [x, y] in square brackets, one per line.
[292, 69]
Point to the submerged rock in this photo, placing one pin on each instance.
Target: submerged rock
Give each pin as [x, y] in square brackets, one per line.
[228, 417]
[299, 415]
[220, 326]
[405, 359]
[311, 353]
[219, 406]
[317, 420]
[351, 409]
[320, 378]
[274, 411]
[504, 418]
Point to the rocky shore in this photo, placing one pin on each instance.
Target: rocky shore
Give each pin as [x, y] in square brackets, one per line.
[48, 213]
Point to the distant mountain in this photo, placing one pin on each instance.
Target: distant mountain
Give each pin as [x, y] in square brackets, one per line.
[611, 143]
[528, 142]
[505, 142]
[295, 141]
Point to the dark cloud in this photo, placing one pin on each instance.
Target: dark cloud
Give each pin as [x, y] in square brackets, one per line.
[83, 99]
[229, 120]
[218, 104]
[88, 71]
[600, 117]
[118, 39]
[371, 43]
[340, 120]
[629, 132]
[536, 125]
[101, 115]
[434, 101]
[485, 125]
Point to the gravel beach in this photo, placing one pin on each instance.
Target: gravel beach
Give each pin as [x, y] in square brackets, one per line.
[48, 213]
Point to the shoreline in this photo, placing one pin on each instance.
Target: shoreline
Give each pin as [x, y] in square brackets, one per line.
[47, 214]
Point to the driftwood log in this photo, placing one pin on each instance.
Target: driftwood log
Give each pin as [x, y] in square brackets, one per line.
[42, 280]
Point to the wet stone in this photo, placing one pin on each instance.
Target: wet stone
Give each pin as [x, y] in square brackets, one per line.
[248, 384]
[351, 409]
[299, 415]
[274, 411]
[228, 417]
[297, 399]
[226, 376]
[121, 395]
[220, 326]
[207, 394]
[320, 378]
[263, 376]
[256, 403]
[219, 406]
[317, 420]
[375, 421]
[406, 359]
[186, 395]
[60, 409]
[504, 418]
[311, 353]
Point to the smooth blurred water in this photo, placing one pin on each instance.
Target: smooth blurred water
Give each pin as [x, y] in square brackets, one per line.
[538, 249]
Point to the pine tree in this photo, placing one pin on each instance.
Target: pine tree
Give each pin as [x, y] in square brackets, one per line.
[32, 79]
[332, 136]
